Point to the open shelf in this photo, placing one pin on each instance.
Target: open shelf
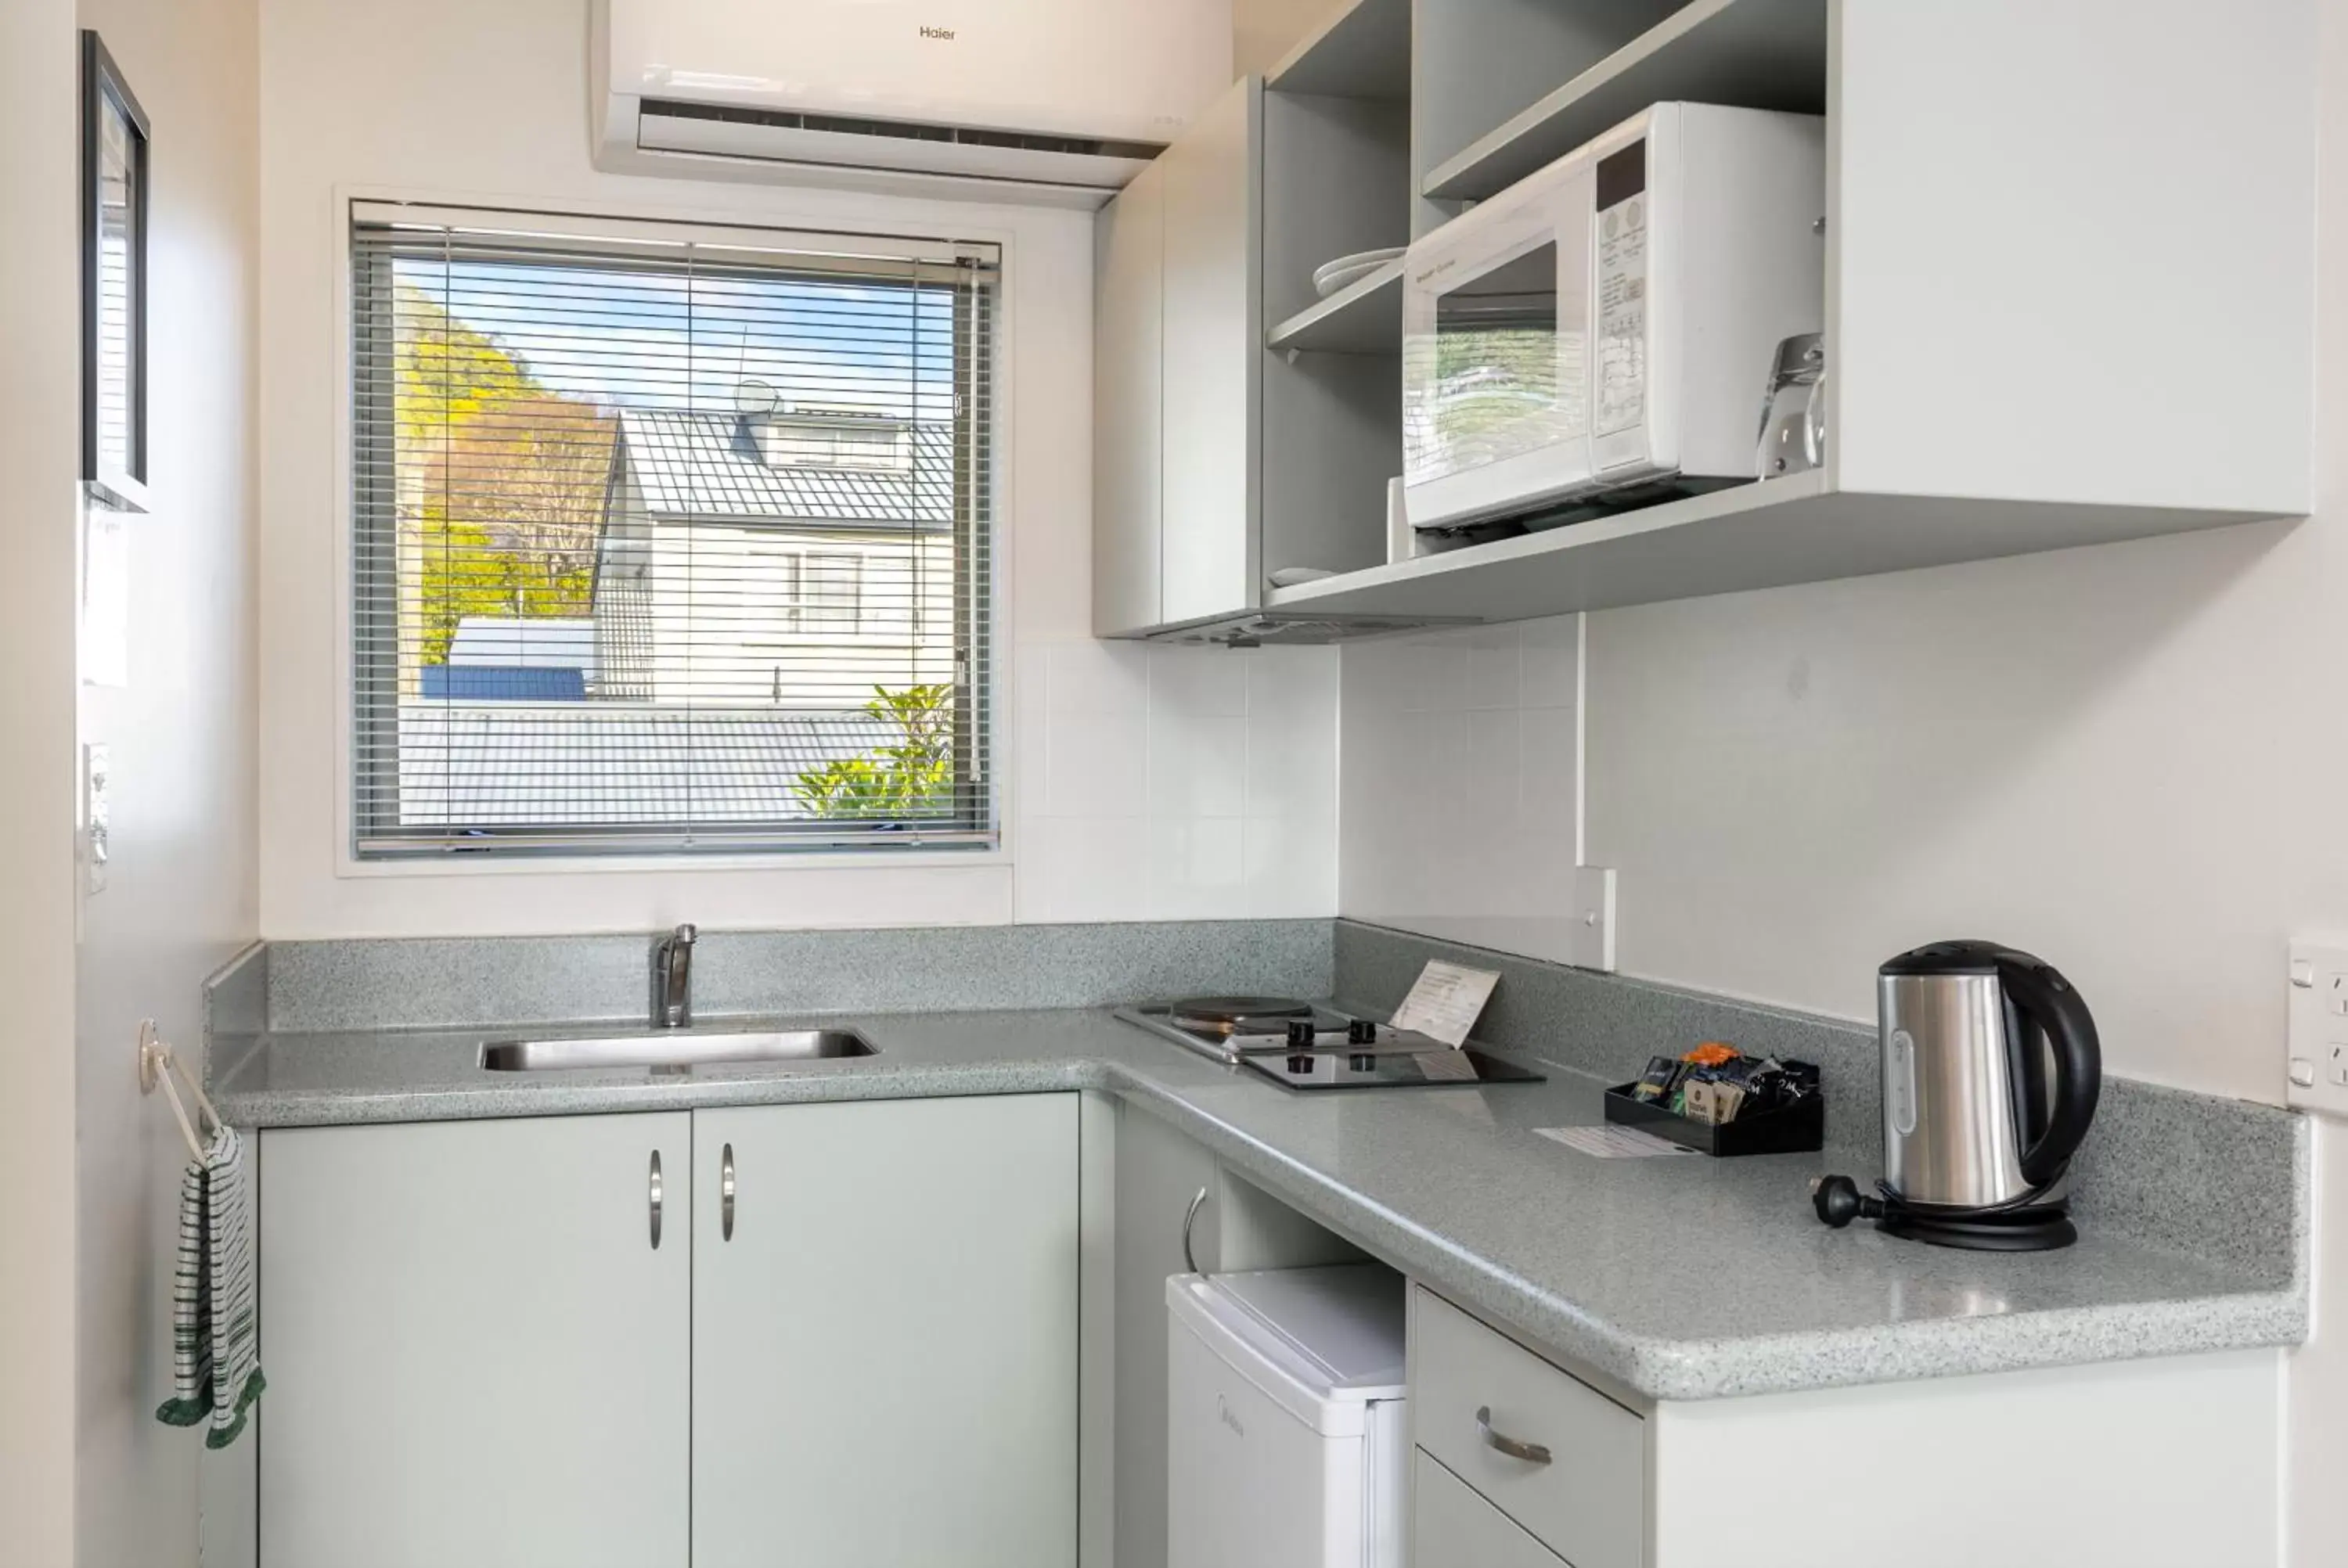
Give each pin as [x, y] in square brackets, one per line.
[1363, 317]
[1360, 52]
[1765, 535]
[1746, 54]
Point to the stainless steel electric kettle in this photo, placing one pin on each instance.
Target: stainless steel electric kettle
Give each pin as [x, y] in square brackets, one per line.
[1991, 1074]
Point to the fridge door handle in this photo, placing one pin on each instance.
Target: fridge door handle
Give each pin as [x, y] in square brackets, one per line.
[1190, 1220]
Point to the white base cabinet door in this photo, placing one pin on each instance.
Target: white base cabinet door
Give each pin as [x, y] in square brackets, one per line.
[476, 1352]
[884, 1333]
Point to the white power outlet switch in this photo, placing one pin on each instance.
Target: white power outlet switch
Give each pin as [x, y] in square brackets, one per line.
[96, 815]
[2316, 1067]
[1589, 935]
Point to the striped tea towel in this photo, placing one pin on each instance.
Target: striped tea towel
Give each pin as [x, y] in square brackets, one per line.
[215, 1346]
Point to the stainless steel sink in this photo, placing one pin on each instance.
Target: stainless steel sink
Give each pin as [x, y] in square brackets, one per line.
[674, 1051]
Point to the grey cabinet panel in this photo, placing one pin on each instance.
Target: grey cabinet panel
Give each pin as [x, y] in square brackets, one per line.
[1335, 181]
[1159, 1172]
[1214, 331]
[1451, 1525]
[885, 1347]
[1129, 372]
[1217, 460]
[475, 1353]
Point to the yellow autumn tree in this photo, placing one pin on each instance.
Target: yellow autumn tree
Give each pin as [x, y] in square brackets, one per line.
[501, 482]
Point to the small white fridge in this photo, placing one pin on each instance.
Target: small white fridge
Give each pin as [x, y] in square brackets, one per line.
[1286, 1445]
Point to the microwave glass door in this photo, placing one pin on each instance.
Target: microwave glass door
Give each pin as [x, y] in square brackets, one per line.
[1509, 377]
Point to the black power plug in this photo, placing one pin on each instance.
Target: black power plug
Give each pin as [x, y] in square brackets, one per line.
[1839, 1201]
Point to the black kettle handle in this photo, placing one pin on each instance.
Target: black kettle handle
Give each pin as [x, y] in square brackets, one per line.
[2048, 999]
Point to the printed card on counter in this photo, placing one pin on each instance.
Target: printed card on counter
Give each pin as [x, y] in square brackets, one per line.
[1611, 1142]
[1447, 1001]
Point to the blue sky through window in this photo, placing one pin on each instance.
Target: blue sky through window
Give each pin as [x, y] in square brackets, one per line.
[638, 339]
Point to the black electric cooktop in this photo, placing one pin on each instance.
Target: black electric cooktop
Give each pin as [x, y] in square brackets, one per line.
[1309, 1045]
[1338, 1069]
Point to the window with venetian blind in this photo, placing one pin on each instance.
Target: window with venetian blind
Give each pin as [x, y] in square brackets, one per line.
[668, 539]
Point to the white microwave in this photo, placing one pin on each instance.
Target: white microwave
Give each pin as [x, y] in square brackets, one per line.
[1605, 328]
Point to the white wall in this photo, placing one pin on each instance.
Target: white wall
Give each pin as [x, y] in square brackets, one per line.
[488, 102]
[39, 453]
[182, 731]
[2120, 758]
[2104, 756]
[1264, 30]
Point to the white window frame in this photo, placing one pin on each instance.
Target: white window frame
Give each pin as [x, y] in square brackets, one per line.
[881, 235]
[813, 616]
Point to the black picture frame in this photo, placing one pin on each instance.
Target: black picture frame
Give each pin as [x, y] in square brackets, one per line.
[114, 445]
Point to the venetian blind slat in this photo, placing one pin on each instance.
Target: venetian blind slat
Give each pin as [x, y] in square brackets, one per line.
[664, 545]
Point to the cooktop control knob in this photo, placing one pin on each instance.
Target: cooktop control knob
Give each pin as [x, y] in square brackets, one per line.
[1363, 1031]
[1300, 1033]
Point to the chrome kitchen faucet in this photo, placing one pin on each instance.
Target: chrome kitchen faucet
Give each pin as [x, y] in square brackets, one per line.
[673, 978]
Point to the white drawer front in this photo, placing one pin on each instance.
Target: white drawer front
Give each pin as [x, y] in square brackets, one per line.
[1588, 1502]
[1451, 1527]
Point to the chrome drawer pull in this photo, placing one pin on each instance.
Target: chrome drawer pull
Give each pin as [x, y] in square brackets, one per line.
[726, 1194]
[1190, 1218]
[1532, 1454]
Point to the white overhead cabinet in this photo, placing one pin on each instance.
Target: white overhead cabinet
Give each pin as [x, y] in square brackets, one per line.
[477, 1353]
[1212, 458]
[2068, 287]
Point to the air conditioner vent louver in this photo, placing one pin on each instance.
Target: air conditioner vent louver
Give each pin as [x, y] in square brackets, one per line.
[903, 130]
[1032, 103]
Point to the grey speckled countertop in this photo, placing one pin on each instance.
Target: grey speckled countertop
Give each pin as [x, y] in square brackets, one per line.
[1682, 1278]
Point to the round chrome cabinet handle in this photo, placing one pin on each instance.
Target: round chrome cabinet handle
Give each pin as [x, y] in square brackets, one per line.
[726, 1194]
[1532, 1454]
[1190, 1218]
[657, 1200]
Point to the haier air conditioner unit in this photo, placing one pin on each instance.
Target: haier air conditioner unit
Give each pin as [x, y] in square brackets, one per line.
[1053, 102]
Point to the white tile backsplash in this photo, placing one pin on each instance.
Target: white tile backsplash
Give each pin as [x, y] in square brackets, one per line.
[1175, 783]
[1094, 677]
[1080, 868]
[1198, 766]
[1458, 782]
[1426, 783]
[1297, 686]
[1290, 865]
[1198, 868]
[1207, 682]
[1096, 764]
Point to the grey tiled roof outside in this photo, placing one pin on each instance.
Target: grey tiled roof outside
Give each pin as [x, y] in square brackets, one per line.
[708, 465]
[574, 764]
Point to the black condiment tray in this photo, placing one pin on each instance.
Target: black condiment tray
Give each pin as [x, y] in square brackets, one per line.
[1796, 1128]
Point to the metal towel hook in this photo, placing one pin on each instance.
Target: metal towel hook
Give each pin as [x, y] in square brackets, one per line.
[159, 1064]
